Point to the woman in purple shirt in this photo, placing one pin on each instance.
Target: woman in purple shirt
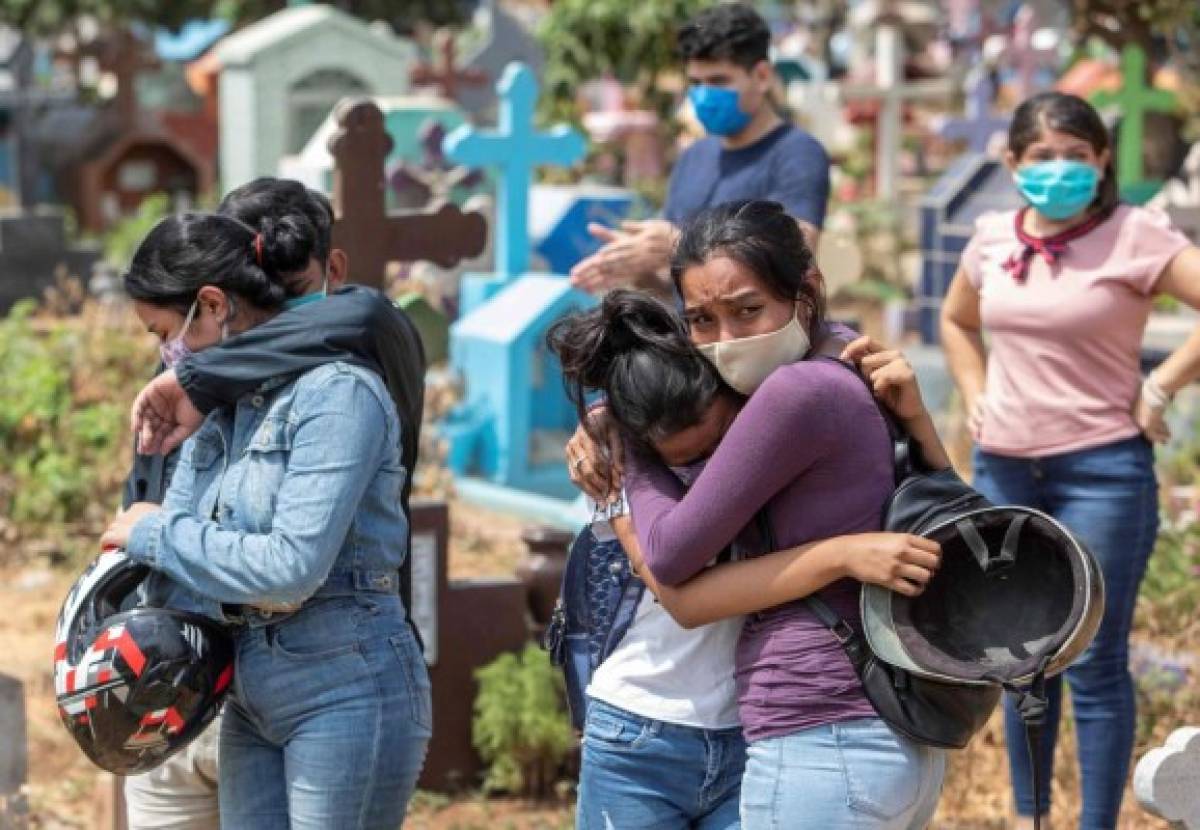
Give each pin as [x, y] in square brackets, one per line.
[810, 447]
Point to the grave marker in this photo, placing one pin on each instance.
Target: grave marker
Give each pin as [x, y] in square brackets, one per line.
[515, 416]
[1167, 779]
[362, 225]
[446, 75]
[14, 764]
[972, 185]
[465, 623]
[980, 126]
[891, 91]
[515, 149]
[559, 216]
[1134, 99]
[506, 41]
[280, 77]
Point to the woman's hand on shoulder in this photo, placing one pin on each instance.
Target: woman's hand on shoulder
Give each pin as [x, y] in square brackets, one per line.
[890, 374]
[595, 467]
[900, 562]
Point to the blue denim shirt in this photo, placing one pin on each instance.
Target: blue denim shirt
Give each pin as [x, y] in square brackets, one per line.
[295, 492]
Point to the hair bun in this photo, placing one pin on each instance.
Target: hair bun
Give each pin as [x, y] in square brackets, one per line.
[287, 244]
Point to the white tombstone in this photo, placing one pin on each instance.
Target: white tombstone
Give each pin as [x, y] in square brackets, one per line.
[281, 76]
[1167, 779]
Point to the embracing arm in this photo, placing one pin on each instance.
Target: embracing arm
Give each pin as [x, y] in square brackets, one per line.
[336, 329]
[314, 507]
[680, 532]
[897, 561]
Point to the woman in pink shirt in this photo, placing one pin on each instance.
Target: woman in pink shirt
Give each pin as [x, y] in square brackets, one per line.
[1060, 414]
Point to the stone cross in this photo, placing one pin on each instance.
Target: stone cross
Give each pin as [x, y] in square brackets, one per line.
[891, 92]
[515, 149]
[445, 74]
[362, 225]
[1167, 779]
[1133, 100]
[13, 750]
[980, 125]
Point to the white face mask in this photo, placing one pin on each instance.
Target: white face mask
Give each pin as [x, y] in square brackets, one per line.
[745, 363]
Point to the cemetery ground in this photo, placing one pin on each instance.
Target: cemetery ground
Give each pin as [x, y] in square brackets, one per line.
[70, 378]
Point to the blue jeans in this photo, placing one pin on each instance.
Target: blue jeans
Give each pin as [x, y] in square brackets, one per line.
[328, 720]
[854, 775]
[1108, 497]
[639, 774]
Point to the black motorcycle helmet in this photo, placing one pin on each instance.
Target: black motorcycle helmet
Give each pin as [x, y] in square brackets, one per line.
[134, 686]
[1017, 595]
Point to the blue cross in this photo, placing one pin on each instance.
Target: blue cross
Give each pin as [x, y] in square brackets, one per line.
[980, 125]
[515, 149]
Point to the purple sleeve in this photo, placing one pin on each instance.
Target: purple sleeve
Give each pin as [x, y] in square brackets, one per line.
[790, 422]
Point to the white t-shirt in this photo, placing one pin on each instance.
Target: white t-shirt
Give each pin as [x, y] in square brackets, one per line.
[664, 672]
[661, 670]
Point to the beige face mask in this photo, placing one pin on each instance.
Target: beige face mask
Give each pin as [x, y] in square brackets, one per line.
[745, 363]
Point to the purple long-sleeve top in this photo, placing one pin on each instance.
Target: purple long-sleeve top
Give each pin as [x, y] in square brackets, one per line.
[811, 445]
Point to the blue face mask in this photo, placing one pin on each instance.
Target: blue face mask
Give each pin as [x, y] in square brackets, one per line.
[718, 110]
[1058, 189]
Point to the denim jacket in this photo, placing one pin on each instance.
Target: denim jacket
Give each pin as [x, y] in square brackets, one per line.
[290, 494]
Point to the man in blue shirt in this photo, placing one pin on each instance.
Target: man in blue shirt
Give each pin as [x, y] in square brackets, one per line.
[749, 152]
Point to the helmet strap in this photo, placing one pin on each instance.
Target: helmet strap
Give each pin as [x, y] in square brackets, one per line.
[1032, 705]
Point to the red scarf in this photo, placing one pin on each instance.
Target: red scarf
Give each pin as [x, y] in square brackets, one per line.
[1050, 248]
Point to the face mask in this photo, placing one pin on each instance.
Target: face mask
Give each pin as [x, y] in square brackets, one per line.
[718, 111]
[296, 302]
[175, 350]
[745, 363]
[1058, 189]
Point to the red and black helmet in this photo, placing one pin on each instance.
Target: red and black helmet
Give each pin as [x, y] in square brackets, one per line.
[135, 686]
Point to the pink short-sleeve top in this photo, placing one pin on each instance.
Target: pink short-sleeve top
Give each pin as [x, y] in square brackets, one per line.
[1063, 345]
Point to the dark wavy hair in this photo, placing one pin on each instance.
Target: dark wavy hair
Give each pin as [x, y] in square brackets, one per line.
[185, 252]
[765, 239]
[732, 32]
[1072, 115]
[636, 351]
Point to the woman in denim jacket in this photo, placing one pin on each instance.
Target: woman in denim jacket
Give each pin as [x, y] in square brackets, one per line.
[284, 518]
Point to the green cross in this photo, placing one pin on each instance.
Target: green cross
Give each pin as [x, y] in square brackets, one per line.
[1134, 100]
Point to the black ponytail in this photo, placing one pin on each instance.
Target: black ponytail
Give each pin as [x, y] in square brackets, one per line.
[186, 252]
[636, 351]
